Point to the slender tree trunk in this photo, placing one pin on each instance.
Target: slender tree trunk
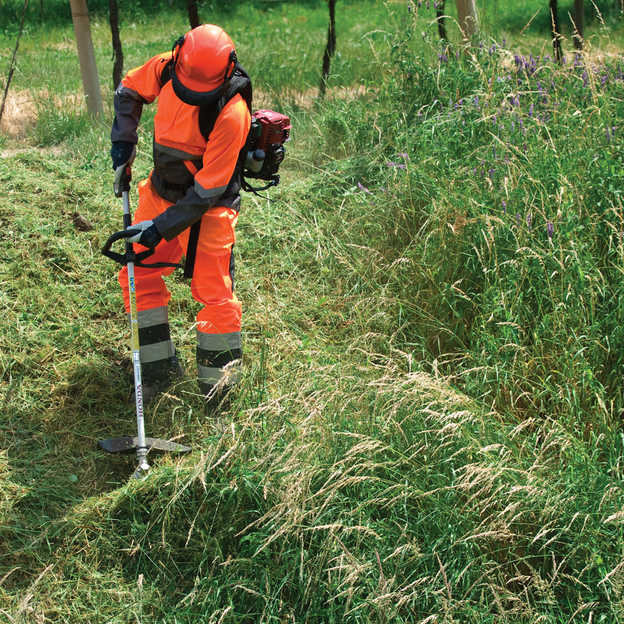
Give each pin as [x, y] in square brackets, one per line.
[12, 67]
[193, 13]
[467, 16]
[330, 48]
[113, 14]
[579, 24]
[88, 68]
[440, 19]
[556, 32]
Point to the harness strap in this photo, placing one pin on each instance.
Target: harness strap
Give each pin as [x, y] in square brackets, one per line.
[191, 250]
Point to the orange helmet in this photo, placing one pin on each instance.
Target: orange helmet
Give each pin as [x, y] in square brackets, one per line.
[204, 59]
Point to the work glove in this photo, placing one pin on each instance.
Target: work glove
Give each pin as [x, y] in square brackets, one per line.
[122, 154]
[144, 233]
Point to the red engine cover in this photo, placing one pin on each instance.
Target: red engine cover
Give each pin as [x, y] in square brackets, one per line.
[275, 128]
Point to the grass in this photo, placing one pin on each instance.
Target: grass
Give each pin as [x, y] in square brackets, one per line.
[429, 424]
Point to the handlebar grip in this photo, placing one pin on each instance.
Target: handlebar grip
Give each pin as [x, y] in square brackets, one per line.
[130, 255]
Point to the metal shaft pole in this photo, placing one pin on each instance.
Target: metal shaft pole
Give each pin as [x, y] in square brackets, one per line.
[142, 465]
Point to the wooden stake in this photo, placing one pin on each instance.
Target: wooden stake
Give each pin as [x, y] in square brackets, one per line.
[86, 56]
[467, 17]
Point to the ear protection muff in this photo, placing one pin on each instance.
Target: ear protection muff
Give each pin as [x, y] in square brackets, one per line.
[175, 49]
[231, 68]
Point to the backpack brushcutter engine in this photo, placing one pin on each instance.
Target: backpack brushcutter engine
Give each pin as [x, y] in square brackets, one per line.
[265, 148]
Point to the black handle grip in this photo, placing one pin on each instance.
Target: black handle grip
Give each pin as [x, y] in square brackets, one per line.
[130, 255]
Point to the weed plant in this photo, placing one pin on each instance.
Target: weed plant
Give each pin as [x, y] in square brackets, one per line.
[428, 426]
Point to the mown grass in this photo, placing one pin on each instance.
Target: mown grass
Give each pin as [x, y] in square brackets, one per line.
[428, 427]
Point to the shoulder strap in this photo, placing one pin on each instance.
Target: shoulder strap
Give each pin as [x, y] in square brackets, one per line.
[238, 83]
[166, 73]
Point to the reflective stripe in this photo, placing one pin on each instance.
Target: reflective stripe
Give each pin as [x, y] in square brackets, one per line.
[172, 151]
[156, 351]
[210, 375]
[155, 316]
[209, 193]
[219, 342]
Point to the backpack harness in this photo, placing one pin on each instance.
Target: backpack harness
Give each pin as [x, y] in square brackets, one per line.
[263, 152]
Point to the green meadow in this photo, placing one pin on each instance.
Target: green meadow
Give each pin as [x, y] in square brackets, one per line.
[429, 424]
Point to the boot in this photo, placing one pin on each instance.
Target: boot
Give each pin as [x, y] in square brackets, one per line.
[216, 399]
[156, 377]
[159, 362]
[217, 375]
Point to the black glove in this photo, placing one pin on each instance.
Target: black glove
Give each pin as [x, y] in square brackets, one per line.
[122, 155]
[144, 233]
[122, 152]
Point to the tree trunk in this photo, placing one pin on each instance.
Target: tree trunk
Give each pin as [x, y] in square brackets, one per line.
[556, 33]
[440, 20]
[193, 13]
[113, 14]
[467, 16]
[88, 68]
[330, 48]
[579, 24]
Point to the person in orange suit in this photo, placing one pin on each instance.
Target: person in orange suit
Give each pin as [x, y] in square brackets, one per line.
[188, 206]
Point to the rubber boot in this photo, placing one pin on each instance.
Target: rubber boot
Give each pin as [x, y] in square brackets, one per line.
[156, 377]
[159, 362]
[217, 378]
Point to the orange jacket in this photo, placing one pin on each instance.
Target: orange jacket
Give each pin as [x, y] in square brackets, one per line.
[192, 173]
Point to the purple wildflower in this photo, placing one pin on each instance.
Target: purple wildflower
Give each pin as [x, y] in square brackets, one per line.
[504, 204]
[363, 188]
[529, 220]
[550, 229]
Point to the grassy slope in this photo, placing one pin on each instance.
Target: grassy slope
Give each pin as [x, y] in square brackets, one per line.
[350, 485]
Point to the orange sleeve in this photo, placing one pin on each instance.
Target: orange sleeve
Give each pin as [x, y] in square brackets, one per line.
[141, 85]
[145, 80]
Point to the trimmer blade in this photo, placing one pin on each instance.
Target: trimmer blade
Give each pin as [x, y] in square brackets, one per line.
[127, 444]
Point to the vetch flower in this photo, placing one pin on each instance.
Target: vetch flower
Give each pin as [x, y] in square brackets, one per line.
[363, 188]
[550, 229]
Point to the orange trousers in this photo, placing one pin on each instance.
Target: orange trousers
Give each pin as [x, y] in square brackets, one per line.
[212, 282]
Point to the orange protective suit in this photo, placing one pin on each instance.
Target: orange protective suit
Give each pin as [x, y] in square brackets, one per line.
[193, 180]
